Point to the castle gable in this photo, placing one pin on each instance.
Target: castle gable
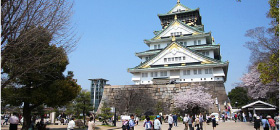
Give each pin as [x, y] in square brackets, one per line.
[176, 54]
[177, 28]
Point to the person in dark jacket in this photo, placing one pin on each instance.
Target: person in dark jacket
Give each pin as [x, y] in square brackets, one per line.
[214, 123]
[175, 118]
[257, 123]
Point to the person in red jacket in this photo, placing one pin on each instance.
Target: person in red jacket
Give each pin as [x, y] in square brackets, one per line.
[271, 122]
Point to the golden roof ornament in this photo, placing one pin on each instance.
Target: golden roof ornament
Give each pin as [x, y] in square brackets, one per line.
[178, 1]
[175, 17]
[173, 39]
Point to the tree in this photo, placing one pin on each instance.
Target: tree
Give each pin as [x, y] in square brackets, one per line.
[269, 71]
[37, 85]
[83, 104]
[105, 113]
[19, 19]
[256, 89]
[193, 100]
[238, 97]
[263, 44]
[159, 107]
[274, 14]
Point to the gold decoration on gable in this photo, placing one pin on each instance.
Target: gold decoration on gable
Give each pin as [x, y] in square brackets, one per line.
[176, 23]
[158, 37]
[206, 62]
[146, 66]
[173, 39]
[173, 46]
[196, 33]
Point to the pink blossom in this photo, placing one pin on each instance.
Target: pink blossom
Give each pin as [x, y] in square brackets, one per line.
[193, 98]
[256, 89]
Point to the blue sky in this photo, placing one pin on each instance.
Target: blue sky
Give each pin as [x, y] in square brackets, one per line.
[113, 30]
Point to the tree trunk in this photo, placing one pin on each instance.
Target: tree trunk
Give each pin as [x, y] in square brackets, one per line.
[26, 116]
[84, 114]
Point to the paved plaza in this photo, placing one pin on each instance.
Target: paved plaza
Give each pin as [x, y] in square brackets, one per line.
[229, 125]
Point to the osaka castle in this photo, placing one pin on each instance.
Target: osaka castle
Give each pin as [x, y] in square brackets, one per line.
[180, 52]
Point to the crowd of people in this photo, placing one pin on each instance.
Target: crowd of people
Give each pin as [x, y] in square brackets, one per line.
[190, 122]
[267, 122]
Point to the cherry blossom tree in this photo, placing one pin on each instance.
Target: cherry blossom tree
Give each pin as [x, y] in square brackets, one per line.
[193, 100]
[253, 83]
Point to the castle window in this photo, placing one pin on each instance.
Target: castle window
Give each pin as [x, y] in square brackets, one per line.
[208, 71]
[186, 72]
[147, 58]
[199, 42]
[184, 58]
[153, 74]
[155, 46]
[163, 73]
[195, 71]
[165, 59]
[195, 42]
[144, 75]
[199, 71]
[158, 46]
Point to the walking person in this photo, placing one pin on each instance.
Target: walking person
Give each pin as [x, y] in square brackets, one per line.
[190, 122]
[201, 121]
[250, 117]
[137, 120]
[14, 120]
[148, 124]
[131, 122]
[197, 123]
[175, 118]
[157, 123]
[265, 123]
[185, 121]
[6, 117]
[214, 122]
[276, 119]
[170, 121]
[235, 117]
[244, 116]
[91, 125]
[125, 124]
[71, 124]
[257, 123]
[271, 122]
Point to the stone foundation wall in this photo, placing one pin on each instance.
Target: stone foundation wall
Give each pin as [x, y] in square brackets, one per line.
[131, 98]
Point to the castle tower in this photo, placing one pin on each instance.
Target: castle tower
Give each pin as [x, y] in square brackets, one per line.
[181, 51]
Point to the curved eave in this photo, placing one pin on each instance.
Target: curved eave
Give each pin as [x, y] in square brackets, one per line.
[149, 41]
[205, 47]
[221, 64]
[147, 53]
[187, 11]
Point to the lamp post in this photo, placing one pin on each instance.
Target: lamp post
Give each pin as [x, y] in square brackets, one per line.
[236, 104]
